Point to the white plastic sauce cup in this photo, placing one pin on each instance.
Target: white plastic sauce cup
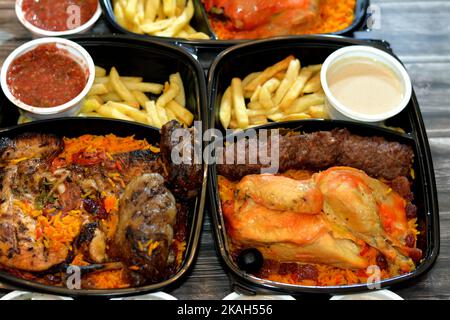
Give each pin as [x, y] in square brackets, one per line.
[339, 111]
[77, 52]
[38, 32]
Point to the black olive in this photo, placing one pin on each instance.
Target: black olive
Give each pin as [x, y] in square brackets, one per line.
[250, 260]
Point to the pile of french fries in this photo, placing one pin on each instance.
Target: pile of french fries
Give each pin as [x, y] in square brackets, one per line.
[162, 18]
[125, 98]
[285, 91]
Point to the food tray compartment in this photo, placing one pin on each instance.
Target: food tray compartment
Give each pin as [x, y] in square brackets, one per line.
[239, 61]
[201, 23]
[133, 56]
[75, 127]
[424, 189]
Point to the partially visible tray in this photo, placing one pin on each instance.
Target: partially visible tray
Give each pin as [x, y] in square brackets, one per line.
[201, 23]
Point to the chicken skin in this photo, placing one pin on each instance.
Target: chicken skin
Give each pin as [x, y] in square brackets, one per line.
[327, 219]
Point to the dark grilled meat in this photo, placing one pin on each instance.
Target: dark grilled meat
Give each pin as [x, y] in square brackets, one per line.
[147, 215]
[321, 150]
[378, 157]
[30, 146]
[185, 178]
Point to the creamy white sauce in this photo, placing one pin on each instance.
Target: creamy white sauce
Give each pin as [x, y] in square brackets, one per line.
[365, 86]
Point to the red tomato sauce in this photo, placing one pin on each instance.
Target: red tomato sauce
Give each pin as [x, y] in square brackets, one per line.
[55, 15]
[46, 77]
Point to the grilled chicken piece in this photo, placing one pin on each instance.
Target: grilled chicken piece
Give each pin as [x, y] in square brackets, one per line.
[370, 210]
[147, 215]
[20, 246]
[185, 178]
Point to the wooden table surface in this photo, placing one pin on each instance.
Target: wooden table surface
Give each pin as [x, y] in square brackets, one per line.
[419, 33]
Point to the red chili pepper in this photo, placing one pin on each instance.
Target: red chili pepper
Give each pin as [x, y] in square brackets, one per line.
[119, 166]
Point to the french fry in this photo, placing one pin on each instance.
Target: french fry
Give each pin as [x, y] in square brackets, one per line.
[105, 79]
[108, 112]
[181, 96]
[120, 87]
[265, 98]
[197, 36]
[296, 90]
[90, 105]
[250, 78]
[153, 116]
[261, 112]
[182, 114]
[141, 97]
[181, 34]
[188, 28]
[162, 115]
[140, 12]
[119, 13]
[258, 120]
[151, 9]
[97, 90]
[149, 87]
[239, 103]
[303, 103]
[225, 108]
[234, 124]
[272, 85]
[313, 84]
[296, 116]
[100, 72]
[289, 78]
[170, 7]
[179, 23]
[280, 75]
[255, 96]
[318, 112]
[256, 105]
[133, 113]
[90, 115]
[168, 95]
[130, 10]
[269, 73]
[276, 116]
[111, 96]
[170, 115]
[315, 68]
[98, 98]
[153, 27]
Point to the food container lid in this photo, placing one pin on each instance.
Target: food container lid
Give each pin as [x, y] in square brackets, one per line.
[152, 296]
[24, 295]
[375, 295]
[238, 296]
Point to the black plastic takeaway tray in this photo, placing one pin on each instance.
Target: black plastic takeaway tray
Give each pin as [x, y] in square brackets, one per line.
[74, 127]
[244, 59]
[133, 57]
[201, 23]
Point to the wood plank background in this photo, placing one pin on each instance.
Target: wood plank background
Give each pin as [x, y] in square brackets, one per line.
[419, 32]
